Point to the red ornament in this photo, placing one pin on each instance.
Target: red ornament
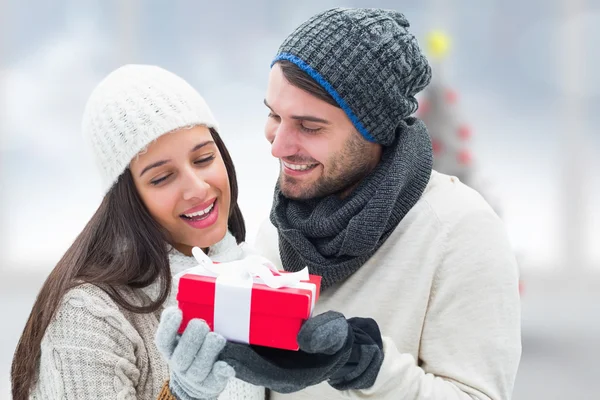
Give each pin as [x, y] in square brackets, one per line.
[451, 96]
[464, 132]
[423, 108]
[437, 146]
[464, 157]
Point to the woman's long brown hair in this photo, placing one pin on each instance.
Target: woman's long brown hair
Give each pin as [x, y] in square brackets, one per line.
[121, 246]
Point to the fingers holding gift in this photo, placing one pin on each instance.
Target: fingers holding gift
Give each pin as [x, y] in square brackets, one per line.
[362, 367]
[360, 372]
[324, 333]
[206, 358]
[167, 332]
[192, 357]
[214, 383]
[223, 371]
[190, 345]
[347, 353]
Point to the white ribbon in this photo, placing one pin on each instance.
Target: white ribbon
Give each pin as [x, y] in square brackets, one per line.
[233, 289]
[249, 268]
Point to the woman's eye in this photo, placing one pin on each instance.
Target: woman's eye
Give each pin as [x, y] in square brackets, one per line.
[205, 159]
[156, 182]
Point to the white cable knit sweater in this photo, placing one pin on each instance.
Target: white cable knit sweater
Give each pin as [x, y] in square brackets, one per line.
[444, 290]
[95, 350]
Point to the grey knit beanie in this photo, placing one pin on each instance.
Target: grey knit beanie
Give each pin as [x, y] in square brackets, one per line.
[367, 61]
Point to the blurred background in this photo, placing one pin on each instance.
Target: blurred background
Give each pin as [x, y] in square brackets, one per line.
[512, 110]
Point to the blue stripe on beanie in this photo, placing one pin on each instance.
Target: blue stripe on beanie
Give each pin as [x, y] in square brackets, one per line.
[327, 86]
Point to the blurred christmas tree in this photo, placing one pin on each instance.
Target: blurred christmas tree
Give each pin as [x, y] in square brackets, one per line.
[451, 135]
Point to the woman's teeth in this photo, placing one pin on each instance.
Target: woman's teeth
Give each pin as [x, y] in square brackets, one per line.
[298, 167]
[200, 213]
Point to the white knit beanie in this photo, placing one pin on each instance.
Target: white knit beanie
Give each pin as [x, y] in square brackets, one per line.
[133, 106]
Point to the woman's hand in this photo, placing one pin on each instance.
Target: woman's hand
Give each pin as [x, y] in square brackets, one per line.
[196, 372]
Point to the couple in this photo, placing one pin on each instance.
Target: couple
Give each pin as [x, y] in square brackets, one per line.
[419, 297]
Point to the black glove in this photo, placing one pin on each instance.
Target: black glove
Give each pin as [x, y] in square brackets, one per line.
[346, 353]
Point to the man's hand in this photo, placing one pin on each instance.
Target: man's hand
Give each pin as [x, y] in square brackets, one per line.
[345, 352]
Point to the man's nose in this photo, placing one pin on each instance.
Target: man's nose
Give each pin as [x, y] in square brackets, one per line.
[284, 143]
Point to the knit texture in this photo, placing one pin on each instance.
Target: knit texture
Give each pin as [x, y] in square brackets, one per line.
[133, 106]
[334, 237]
[444, 291]
[192, 357]
[367, 60]
[95, 350]
[346, 353]
[225, 250]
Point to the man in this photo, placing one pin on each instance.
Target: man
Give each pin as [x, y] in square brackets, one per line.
[419, 255]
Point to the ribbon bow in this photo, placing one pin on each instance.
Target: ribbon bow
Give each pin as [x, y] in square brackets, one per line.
[233, 289]
[252, 268]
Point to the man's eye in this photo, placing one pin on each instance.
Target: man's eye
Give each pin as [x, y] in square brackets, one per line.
[309, 130]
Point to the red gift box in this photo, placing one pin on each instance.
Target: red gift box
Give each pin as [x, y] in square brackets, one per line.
[258, 315]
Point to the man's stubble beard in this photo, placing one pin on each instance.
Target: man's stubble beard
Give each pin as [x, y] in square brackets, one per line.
[345, 171]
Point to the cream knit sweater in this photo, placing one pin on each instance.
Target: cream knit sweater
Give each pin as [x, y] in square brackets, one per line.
[95, 350]
[444, 290]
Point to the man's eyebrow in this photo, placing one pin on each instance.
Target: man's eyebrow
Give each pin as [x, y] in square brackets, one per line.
[310, 118]
[303, 117]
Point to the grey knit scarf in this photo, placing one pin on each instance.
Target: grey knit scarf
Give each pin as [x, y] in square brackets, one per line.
[334, 237]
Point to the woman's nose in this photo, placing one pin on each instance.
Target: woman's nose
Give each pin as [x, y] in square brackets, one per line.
[194, 186]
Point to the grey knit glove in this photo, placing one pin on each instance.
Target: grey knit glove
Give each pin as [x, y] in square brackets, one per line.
[347, 353]
[195, 372]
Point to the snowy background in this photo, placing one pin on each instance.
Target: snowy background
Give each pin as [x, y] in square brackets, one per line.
[525, 72]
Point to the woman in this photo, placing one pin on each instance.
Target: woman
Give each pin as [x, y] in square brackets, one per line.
[169, 185]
